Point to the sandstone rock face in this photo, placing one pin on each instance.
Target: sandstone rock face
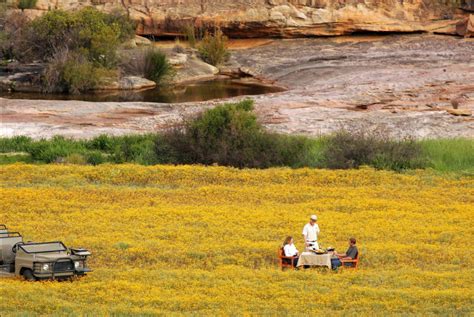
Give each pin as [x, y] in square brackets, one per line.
[404, 84]
[466, 27]
[276, 18]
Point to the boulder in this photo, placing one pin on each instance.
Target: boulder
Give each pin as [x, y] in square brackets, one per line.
[178, 59]
[195, 70]
[460, 112]
[126, 83]
[142, 41]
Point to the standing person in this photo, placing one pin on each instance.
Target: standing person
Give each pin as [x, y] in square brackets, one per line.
[289, 249]
[310, 234]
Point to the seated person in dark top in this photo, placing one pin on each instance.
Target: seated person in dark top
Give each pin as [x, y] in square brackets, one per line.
[350, 254]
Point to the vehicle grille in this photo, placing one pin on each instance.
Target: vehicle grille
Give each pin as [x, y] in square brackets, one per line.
[63, 266]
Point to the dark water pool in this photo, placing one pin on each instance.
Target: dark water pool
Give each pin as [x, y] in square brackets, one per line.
[201, 91]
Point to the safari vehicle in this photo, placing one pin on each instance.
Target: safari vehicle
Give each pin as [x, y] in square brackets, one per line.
[43, 260]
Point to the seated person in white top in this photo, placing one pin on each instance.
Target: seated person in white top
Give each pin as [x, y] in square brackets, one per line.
[310, 234]
[289, 249]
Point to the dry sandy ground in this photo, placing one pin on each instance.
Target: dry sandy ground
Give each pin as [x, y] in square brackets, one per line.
[406, 84]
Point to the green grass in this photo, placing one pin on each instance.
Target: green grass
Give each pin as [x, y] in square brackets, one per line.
[15, 157]
[450, 155]
[114, 149]
[442, 155]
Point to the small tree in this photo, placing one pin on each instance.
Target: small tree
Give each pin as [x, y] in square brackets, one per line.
[213, 48]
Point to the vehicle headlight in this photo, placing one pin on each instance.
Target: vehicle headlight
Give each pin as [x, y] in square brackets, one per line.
[45, 267]
[77, 264]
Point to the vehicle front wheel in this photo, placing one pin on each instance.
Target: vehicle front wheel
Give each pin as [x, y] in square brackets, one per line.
[28, 275]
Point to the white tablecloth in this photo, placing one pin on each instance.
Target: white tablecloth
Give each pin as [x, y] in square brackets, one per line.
[313, 259]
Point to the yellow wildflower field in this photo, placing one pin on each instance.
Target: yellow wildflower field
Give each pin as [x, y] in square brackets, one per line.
[192, 240]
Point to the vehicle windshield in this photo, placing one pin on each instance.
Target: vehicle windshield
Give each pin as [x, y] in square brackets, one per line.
[43, 247]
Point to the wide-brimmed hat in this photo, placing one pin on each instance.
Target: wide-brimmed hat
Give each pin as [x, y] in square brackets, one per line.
[313, 217]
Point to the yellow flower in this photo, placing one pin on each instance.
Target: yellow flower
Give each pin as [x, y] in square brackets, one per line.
[203, 240]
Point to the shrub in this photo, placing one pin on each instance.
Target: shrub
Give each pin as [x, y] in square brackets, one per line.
[149, 63]
[102, 142]
[75, 158]
[55, 149]
[15, 144]
[165, 152]
[213, 48]
[135, 148]
[26, 4]
[230, 135]
[190, 34]
[71, 72]
[157, 67]
[79, 77]
[125, 25]
[95, 158]
[94, 34]
[12, 32]
[345, 150]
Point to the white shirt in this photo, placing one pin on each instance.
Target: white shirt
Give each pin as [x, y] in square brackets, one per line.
[290, 250]
[311, 232]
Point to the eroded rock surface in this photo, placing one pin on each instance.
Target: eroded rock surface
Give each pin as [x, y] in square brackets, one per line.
[282, 18]
[407, 84]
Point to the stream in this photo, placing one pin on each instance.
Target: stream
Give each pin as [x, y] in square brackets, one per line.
[194, 92]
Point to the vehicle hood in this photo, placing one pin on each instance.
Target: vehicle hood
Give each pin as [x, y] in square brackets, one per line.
[52, 256]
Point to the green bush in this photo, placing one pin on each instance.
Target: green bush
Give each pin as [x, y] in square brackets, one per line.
[27, 4]
[230, 135]
[213, 48]
[73, 73]
[15, 144]
[80, 47]
[94, 34]
[344, 150]
[135, 148]
[150, 63]
[125, 25]
[103, 142]
[55, 149]
[157, 67]
[95, 158]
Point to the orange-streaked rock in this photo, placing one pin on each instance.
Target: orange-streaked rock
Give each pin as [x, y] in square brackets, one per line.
[274, 18]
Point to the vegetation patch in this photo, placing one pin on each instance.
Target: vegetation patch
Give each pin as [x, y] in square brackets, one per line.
[230, 135]
[213, 48]
[186, 240]
[26, 4]
[79, 47]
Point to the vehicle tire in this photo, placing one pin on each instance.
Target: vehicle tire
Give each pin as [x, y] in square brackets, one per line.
[28, 275]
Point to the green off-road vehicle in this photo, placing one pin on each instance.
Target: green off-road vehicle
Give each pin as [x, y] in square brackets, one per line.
[43, 260]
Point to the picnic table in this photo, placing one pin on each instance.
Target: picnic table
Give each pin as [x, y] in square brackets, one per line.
[313, 259]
